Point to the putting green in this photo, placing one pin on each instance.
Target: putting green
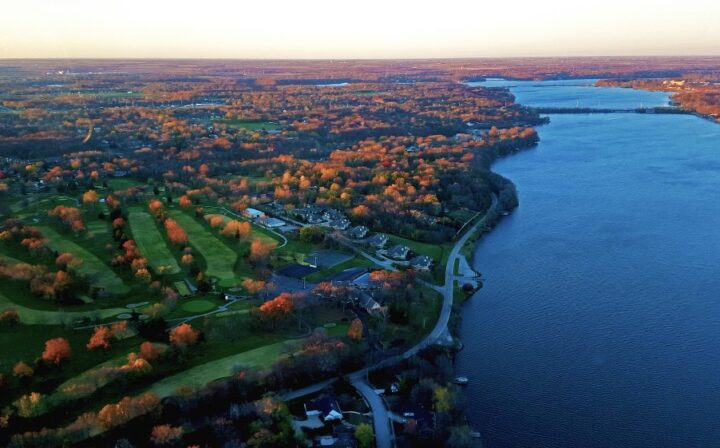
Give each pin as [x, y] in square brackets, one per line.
[150, 242]
[197, 306]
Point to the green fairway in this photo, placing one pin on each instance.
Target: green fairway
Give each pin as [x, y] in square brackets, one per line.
[151, 242]
[204, 373]
[31, 316]
[98, 273]
[220, 259]
[197, 305]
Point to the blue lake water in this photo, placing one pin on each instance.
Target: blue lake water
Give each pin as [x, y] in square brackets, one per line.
[599, 322]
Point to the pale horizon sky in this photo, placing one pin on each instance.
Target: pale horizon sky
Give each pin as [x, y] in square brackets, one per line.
[310, 29]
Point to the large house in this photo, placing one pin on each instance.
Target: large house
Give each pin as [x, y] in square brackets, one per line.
[358, 232]
[326, 407]
[252, 213]
[378, 241]
[421, 263]
[340, 224]
[398, 252]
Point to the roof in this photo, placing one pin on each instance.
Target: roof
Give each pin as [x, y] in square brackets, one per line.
[398, 251]
[421, 261]
[327, 406]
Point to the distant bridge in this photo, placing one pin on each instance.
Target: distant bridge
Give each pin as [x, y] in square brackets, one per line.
[590, 110]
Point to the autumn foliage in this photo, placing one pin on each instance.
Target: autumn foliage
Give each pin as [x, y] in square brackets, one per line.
[184, 336]
[175, 233]
[56, 350]
[278, 308]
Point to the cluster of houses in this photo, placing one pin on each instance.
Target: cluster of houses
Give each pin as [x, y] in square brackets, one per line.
[335, 219]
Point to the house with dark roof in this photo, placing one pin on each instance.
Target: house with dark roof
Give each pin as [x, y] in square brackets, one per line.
[358, 232]
[398, 252]
[340, 224]
[378, 241]
[326, 407]
[421, 263]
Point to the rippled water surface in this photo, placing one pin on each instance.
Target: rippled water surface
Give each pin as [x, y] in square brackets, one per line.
[599, 323]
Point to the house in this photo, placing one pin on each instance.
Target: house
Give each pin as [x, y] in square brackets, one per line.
[326, 407]
[314, 219]
[252, 213]
[274, 223]
[398, 252]
[358, 232]
[332, 214]
[364, 300]
[340, 224]
[421, 263]
[378, 241]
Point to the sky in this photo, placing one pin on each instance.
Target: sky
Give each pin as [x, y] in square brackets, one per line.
[307, 29]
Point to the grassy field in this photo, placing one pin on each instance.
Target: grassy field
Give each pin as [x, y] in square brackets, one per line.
[355, 262]
[197, 305]
[219, 258]
[204, 373]
[151, 242]
[98, 273]
[31, 316]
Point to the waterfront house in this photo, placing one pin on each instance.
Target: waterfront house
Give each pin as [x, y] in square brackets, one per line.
[421, 263]
[326, 407]
[358, 232]
[378, 241]
[398, 252]
[340, 224]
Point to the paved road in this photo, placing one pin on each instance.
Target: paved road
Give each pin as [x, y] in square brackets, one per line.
[381, 417]
[380, 414]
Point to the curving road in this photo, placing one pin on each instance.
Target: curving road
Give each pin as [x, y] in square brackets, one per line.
[382, 419]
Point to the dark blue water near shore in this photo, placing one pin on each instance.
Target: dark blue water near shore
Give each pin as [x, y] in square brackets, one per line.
[599, 323]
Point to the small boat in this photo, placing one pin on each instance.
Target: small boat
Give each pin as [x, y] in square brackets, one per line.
[475, 435]
[461, 380]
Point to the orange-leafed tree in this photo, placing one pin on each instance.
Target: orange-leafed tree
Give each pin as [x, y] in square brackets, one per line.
[259, 252]
[22, 370]
[100, 338]
[184, 336]
[355, 331]
[163, 435]
[56, 350]
[185, 201]
[253, 286]
[175, 233]
[277, 309]
[237, 229]
[90, 197]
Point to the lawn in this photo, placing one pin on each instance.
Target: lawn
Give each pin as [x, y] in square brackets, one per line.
[220, 259]
[151, 242]
[355, 262]
[197, 305]
[202, 374]
[438, 252]
[92, 268]
[31, 316]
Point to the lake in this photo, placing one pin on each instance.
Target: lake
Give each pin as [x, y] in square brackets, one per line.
[599, 322]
